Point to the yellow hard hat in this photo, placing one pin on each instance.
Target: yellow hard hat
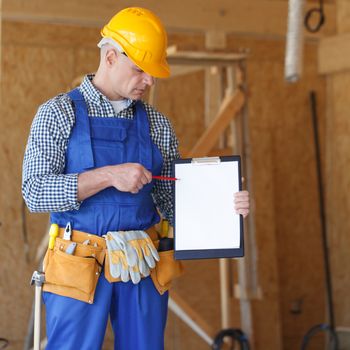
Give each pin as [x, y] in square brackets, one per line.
[143, 38]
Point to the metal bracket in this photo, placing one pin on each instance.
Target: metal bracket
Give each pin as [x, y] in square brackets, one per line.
[206, 160]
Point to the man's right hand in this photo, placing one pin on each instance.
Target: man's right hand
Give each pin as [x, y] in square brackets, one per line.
[127, 177]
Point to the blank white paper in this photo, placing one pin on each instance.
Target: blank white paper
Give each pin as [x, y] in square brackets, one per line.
[204, 206]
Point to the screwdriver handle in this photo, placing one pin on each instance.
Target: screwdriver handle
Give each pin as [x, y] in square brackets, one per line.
[164, 228]
[53, 233]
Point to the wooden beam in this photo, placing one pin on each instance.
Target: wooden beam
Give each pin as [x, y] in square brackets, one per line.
[203, 58]
[229, 108]
[213, 93]
[263, 17]
[334, 53]
[178, 70]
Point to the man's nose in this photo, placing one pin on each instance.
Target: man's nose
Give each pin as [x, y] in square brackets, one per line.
[148, 79]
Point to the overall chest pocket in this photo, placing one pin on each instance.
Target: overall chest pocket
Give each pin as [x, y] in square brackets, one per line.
[109, 145]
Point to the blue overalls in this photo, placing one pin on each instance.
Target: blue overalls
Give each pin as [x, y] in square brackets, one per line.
[138, 312]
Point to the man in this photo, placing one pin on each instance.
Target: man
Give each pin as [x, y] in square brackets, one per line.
[89, 162]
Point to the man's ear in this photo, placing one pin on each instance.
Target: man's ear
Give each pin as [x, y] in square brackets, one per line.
[111, 57]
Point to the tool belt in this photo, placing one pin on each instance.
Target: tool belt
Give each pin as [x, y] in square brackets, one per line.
[76, 275]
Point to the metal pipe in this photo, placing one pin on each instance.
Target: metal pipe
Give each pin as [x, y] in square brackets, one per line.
[295, 41]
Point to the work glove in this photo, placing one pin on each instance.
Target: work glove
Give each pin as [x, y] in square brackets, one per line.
[143, 246]
[139, 251]
[120, 260]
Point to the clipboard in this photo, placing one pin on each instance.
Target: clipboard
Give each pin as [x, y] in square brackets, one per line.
[205, 223]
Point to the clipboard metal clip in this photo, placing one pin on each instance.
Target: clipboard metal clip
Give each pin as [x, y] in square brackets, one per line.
[206, 160]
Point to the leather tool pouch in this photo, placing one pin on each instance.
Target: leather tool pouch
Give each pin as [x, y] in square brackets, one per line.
[76, 275]
[73, 275]
[167, 268]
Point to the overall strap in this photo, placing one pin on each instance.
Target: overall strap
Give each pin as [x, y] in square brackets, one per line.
[82, 125]
[145, 149]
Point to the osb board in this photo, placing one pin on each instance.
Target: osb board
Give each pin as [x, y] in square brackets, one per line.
[25, 82]
[34, 34]
[267, 325]
[32, 72]
[338, 188]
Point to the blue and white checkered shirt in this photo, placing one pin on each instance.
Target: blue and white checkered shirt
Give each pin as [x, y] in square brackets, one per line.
[46, 188]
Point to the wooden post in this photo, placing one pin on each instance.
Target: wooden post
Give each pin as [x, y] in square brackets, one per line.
[224, 293]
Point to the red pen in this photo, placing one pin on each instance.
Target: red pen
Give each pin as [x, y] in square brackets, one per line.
[164, 178]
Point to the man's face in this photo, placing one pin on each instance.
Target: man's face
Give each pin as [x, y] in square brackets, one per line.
[128, 80]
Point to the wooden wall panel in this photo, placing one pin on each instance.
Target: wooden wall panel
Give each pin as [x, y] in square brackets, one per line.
[25, 81]
[86, 61]
[33, 70]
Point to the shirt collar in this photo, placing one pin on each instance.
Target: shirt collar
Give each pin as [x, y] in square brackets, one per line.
[91, 93]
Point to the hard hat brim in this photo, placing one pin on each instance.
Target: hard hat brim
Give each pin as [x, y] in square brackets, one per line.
[158, 71]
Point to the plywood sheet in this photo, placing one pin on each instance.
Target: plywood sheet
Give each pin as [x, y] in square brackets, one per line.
[31, 73]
